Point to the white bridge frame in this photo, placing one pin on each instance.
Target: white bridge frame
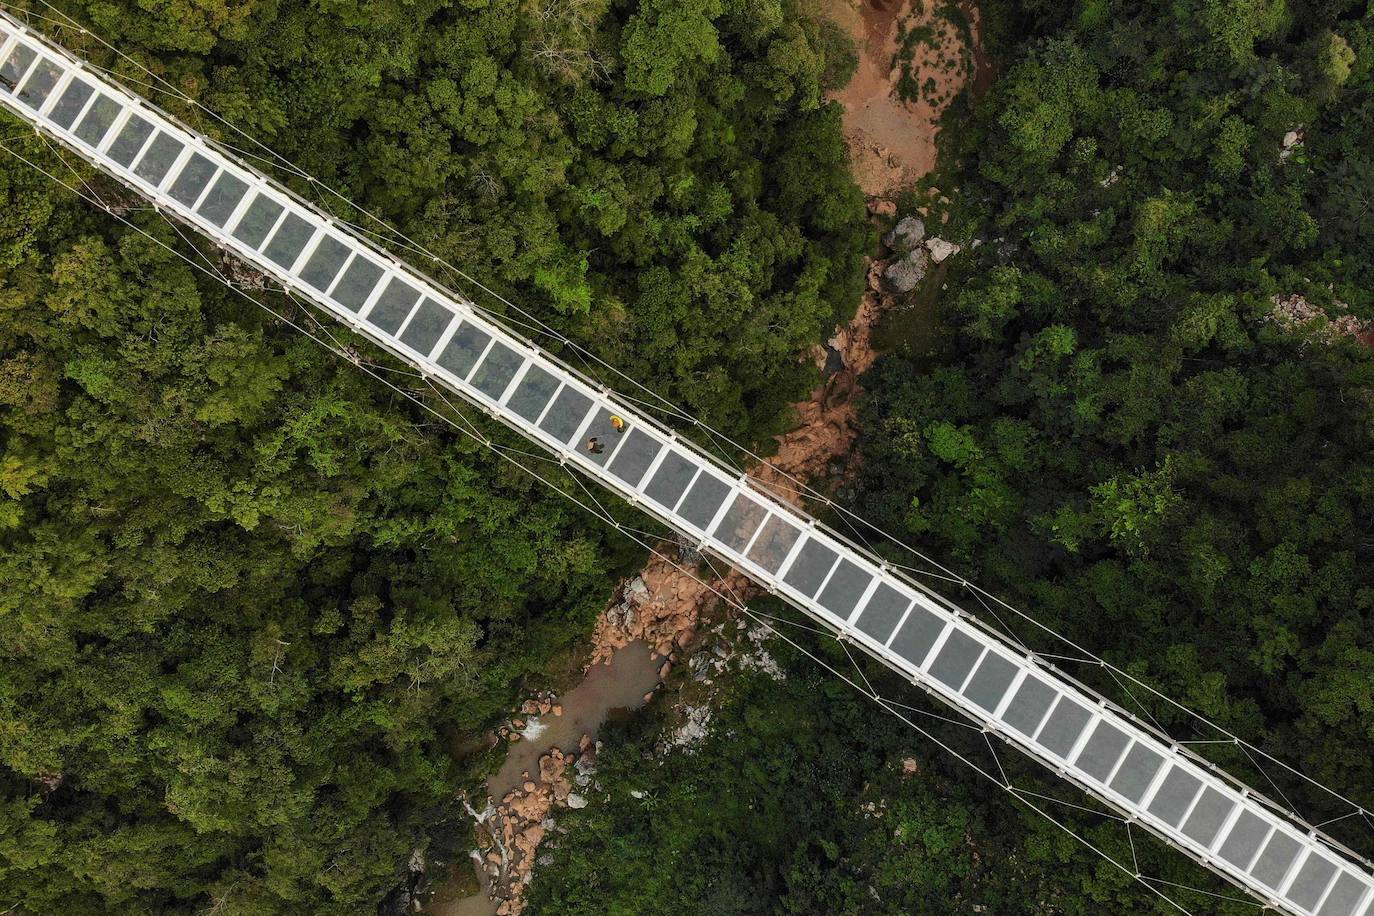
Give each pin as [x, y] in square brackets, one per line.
[1152, 781]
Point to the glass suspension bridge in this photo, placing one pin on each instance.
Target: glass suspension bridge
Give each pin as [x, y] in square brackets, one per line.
[1153, 782]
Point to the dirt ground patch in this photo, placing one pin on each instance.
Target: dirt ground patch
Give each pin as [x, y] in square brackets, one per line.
[902, 44]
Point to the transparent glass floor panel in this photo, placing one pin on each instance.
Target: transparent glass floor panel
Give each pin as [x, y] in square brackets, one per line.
[1314, 876]
[774, 543]
[358, 282]
[1136, 772]
[703, 499]
[956, 659]
[1062, 729]
[607, 437]
[635, 456]
[1175, 794]
[257, 221]
[566, 414]
[69, 105]
[670, 481]
[97, 120]
[1027, 709]
[1345, 894]
[883, 612]
[1244, 840]
[1272, 865]
[494, 376]
[288, 241]
[15, 66]
[158, 158]
[741, 520]
[324, 263]
[130, 140]
[224, 196]
[990, 681]
[809, 569]
[392, 307]
[846, 586]
[1210, 812]
[533, 392]
[1104, 748]
[427, 325]
[917, 635]
[190, 184]
[39, 85]
[461, 352]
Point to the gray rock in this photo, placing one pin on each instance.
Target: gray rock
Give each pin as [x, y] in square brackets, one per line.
[906, 235]
[940, 249]
[903, 275]
[576, 801]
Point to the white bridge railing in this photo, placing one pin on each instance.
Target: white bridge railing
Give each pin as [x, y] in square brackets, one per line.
[1213, 818]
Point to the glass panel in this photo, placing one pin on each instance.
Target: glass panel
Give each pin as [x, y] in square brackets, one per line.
[426, 327]
[774, 543]
[289, 240]
[703, 499]
[1136, 772]
[1028, 707]
[1210, 812]
[532, 394]
[464, 347]
[258, 221]
[97, 120]
[634, 457]
[956, 659]
[493, 377]
[1102, 751]
[1175, 794]
[844, 589]
[883, 612]
[741, 520]
[1063, 727]
[1343, 897]
[224, 196]
[192, 181]
[566, 415]
[70, 104]
[324, 263]
[1277, 858]
[129, 141]
[394, 304]
[990, 681]
[1312, 880]
[603, 435]
[39, 84]
[810, 567]
[358, 282]
[158, 158]
[671, 478]
[15, 66]
[1244, 840]
[917, 635]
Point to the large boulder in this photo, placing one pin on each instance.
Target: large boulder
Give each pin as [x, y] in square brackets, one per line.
[906, 236]
[902, 275]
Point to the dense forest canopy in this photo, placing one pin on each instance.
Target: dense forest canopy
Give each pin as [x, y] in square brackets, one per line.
[247, 594]
[1126, 429]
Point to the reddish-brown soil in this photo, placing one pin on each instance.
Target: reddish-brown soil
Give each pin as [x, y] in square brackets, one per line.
[892, 140]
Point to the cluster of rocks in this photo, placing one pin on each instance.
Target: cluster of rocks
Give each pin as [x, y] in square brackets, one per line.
[1295, 314]
[913, 253]
[661, 606]
[514, 828]
[527, 718]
